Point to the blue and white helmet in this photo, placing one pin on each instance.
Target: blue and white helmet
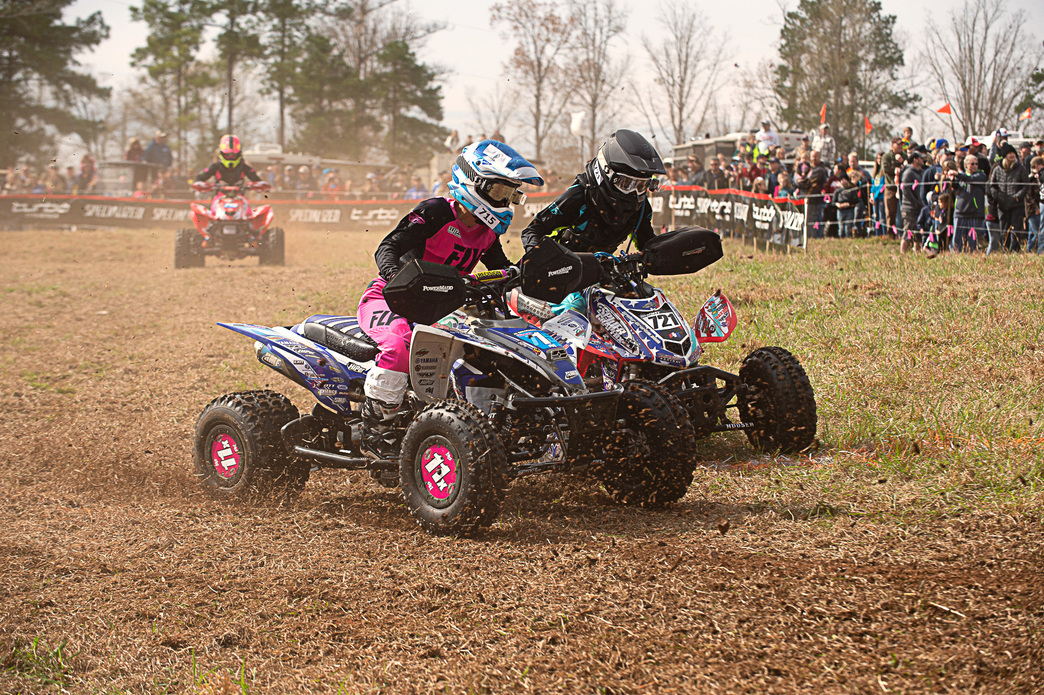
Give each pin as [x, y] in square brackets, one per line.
[486, 177]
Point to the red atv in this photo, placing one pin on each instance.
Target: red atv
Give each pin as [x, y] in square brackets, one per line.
[229, 228]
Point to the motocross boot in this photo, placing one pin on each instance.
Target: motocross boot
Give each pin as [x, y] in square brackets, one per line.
[379, 434]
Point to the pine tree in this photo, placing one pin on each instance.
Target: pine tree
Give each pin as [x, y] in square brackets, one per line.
[39, 83]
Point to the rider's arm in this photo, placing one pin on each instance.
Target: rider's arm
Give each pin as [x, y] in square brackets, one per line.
[564, 212]
[250, 173]
[644, 232]
[207, 173]
[411, 233]
[494, 257]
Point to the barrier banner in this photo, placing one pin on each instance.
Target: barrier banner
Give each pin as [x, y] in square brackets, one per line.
[756, 219]
[770, 223]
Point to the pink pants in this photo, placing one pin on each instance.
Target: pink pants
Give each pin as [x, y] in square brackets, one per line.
[391, 331]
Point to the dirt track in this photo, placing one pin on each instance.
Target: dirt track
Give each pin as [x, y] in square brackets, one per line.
[107, 544]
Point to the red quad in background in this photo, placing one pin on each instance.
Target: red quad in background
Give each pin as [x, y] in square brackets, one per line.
[229, 228]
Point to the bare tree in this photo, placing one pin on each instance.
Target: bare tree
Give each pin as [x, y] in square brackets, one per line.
[597, 75]
[362, 28]
[542, 34]
[492, 110]
[687, 74]
[980, 62]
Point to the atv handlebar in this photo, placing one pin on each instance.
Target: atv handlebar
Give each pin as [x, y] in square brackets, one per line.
[487, 289]
[230, 188]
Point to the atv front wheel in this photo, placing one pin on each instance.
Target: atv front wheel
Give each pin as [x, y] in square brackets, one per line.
[452, 469]
[648, 460]
[273, 244]
[239, 452]
[778, 400]
[188, 249]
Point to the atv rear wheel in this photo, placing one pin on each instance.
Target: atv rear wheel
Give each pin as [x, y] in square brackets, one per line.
[648, 461]
[779, 401]
[452, 469]
[272, 251]
[239, 452]
[188, 249]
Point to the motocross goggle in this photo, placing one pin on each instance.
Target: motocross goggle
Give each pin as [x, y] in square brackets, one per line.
[496, 191]
[628, 184]
[500, 193]
[230, 159]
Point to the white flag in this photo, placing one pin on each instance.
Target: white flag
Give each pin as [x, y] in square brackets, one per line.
[577, 123]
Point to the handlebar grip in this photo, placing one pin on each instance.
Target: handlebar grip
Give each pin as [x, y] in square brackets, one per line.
[489, 275]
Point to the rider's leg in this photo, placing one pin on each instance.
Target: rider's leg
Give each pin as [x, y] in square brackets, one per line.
[386, 383]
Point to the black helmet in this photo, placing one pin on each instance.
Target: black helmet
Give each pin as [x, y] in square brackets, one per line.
[629, 162]
[620, 175]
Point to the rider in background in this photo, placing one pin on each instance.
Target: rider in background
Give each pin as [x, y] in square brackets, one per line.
[230, 167]
[458, 231]
[607, 202]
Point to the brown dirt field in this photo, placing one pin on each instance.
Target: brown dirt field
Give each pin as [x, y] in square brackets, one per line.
[108, 546]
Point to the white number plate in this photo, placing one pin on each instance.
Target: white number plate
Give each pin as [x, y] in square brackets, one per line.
[230, 229]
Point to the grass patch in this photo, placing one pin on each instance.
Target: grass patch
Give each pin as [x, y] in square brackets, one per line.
[35, 661]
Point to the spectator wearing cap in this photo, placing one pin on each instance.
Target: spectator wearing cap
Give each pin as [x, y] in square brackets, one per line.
[1025, 155]
[1038, 149]
[969, 211]
[912, 203]
[892, 165]
[1005, 201]
[1000, 137]
[804, 148]
[158, 154]
[288, 182]
[772, 175]
[417, 189]
[305, 184]
[824, 144]
[1033, 202]
[977, 149]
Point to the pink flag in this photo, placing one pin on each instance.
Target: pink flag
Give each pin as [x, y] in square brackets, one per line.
[815, 226]
[915, 184]
[972, 234]
[894, 230]
[909, 234]
[949, 230]
[878, 224]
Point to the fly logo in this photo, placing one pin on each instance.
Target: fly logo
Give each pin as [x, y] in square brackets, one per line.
[438, 470]
[454, 231]
[226, 456]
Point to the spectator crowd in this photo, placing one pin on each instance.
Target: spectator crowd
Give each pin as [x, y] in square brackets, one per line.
[932, 197]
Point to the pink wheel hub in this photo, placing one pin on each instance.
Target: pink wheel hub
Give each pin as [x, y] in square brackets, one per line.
[439, 471]
[224, 456]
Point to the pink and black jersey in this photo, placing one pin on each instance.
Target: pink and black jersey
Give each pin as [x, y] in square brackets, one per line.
[432, 232]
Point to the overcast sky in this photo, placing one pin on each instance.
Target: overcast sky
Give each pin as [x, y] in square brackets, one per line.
[474, 53]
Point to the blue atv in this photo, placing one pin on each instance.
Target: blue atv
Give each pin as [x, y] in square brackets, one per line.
[491, 399]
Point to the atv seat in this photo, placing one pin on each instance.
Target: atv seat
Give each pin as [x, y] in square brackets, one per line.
[341, 335]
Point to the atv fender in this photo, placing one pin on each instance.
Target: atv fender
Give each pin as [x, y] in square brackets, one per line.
[320, 370]
[263, 217]
[200, 217]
